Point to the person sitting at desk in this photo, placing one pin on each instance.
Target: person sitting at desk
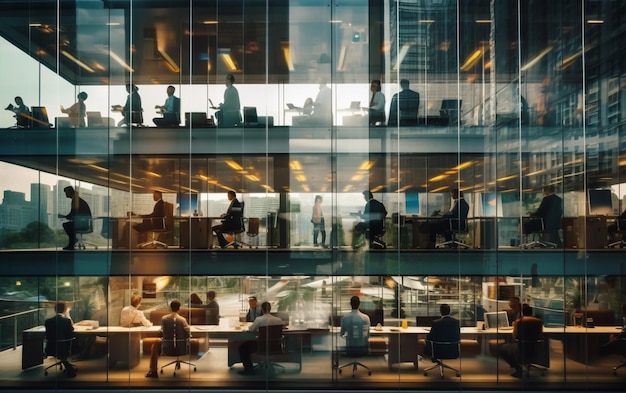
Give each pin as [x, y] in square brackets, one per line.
[452, 219]
[618, 227]
[514, 312]
[213, 312]
[377, 104]
[168, 324]
[78, 217]
[254, 310]
[22, 113]
[170, 110]
[132, 109]
[526, 329]
[230, 220]
[322, 110]
[78, 111]
[617, 342]
[60, 328]
[307, 108]
[228, 114]
[373, 224]
[404, 106]
[153, 220]
[551, 211]
[444, 329]
[247, 348]
[131, 315]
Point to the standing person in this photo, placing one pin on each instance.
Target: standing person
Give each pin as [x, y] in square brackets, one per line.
[247, 348]
[213, 309]
[22, 112]
[550, 211]
[230, 220]
[454, 218]
[404, 106]
[528, 329]
[377, 104]
[131, 315]
[78, 217]
[254, 309]
[373, 224]
[78, 111]
[322, 107]
[132, 109]
[317, 218]
[60, 328]
[170, 110]
[444, 329]
[229, 111]
[168, 330]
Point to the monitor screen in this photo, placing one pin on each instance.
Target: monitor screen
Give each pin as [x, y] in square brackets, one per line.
[195, 119]
[40, 117]
[495, 320]
[250, 115]
[412, 203]
[600, 202]
[450, 104]
[188, 203]
[491, 204]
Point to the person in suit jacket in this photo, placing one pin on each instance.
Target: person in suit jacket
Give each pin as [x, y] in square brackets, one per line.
[454, 218]
[444, 329]
[158, 212]
[255, 309]
[230, 220]
[78, 217]
[551, 211]
[527, 328]
[58, 328]
[404, 106]
[171, 324]
[213, 309]
[170, 110]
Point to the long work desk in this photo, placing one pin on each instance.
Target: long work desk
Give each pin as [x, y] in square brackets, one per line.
[402, 343]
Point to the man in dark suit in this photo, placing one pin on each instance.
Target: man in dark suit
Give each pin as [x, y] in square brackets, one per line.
[527, 329]
[60, 328]
[175, 331]
[230, 220]
[153, 220]
[551, 211]
[78, 217]
[255, 309]
[444, 329]
[404, 106]
[453, 219]
[373, 224]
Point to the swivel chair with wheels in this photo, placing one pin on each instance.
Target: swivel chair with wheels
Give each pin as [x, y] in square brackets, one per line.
[253, 231]
[535, 227]
[175, 343]
[270, 345]
[160, 225]
[61, 350]
[619, 229]
[235, 232]
[83, 226]
[442, 350]
[622, 345]
[357, 345]
[458, 229]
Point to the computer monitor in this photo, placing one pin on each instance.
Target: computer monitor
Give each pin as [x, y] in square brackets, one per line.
[450, 104]
[40, 117]
[355, 105]
[600, 202]
[187, 202]
[412, 203]
[94, 119]
[491, 204]
[195, 119]
[376, 315]
[499, 320]
[250, 116]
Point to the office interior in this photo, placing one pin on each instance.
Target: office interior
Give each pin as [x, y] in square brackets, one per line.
[514, 96]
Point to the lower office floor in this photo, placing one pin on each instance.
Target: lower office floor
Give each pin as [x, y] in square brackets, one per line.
[479, 372]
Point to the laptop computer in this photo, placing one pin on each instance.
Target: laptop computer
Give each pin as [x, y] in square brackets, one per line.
[355, 105]
[94, 119]
[212, 105]
[293, 107]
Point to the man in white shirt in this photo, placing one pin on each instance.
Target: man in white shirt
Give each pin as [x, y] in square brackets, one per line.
[132, 316]
[247, 348]
[354, 318]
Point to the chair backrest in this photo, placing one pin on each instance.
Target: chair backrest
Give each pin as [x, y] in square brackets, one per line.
[270, 340]
[175, 338]
[357, 339]
[444, 349]
[253, 226]
[168, 210]
[458, 225]
[528, 351]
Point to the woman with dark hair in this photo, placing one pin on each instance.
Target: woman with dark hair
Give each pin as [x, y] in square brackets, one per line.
[78, 111]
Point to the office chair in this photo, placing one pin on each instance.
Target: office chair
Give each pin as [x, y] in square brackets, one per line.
[173, 345]
[270, 343]
[540, 231]
[253, 230]
[160, 225]
[62, 350]
[83, 226]
[458, 228]
[623, 363]
[236, 232]
[620, 230]
[528, 352]
[357, 345]
[442, 350]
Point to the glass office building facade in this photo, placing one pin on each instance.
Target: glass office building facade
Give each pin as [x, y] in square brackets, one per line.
[514, 97]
